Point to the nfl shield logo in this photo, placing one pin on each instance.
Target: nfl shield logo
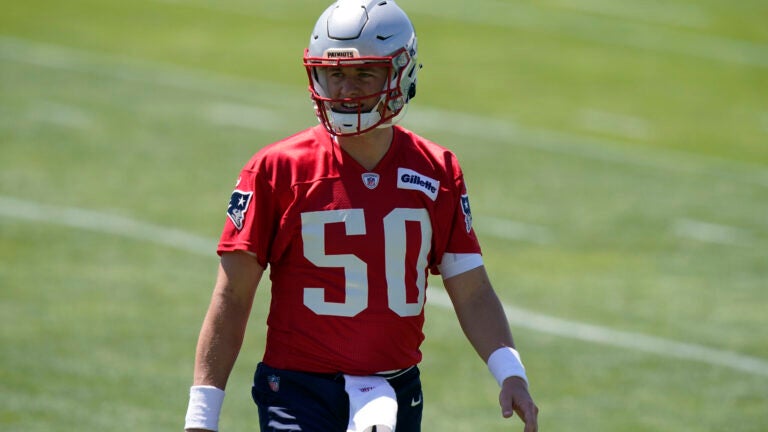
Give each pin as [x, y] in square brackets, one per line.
[371, 180]
[274, 383]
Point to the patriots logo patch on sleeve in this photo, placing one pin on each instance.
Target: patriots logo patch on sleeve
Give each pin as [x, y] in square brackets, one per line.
[238, 205]
[467, 212]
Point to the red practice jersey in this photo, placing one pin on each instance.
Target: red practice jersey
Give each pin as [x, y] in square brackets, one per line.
[349, 250]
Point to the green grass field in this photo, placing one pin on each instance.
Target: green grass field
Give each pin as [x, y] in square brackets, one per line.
[617, 160]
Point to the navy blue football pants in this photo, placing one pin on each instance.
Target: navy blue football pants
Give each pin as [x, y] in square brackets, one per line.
[310, 402]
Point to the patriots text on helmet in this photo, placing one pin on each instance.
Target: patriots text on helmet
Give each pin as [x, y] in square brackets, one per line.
[341, 53]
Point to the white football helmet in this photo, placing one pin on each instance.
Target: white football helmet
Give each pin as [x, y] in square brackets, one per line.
[354, 32]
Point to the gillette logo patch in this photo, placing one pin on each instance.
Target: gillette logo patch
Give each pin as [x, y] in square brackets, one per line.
[410, 179]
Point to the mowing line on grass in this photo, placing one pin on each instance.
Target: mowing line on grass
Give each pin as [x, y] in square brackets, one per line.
[245, 116]
[712, 233]
[594, 28]
[582, 146]
[106, 223]
[637, 341]
[287, 98]
[599, 30]
[616, 124]
[513, 230]
[62, 115]
[662, 12]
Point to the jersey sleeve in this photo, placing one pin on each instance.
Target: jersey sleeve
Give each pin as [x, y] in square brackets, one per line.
[250, 222]
[462, 249]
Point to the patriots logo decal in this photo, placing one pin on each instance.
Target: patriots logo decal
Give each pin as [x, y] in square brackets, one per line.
[238, 205]
[467, 212]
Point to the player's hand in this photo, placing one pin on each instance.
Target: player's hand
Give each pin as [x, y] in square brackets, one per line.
[514, 398]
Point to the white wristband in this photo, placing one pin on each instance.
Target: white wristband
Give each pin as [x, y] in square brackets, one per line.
[504, 363]
[204, 408]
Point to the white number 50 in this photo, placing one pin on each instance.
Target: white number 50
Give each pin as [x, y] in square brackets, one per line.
[356, 270]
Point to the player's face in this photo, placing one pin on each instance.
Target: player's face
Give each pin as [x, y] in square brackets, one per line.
[354, 86]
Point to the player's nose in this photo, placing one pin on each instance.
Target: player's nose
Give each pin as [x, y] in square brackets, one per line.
[350, 87]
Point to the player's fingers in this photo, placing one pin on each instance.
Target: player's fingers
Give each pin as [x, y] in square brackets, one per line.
[507, 408]
[529, 413]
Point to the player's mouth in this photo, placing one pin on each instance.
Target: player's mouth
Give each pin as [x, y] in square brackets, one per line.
[349, 107]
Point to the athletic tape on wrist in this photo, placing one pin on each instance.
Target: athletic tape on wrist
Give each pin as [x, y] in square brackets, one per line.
[204, 408]
[504, 363]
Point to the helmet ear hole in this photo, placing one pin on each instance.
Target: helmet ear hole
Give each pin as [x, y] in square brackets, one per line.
[412, 91]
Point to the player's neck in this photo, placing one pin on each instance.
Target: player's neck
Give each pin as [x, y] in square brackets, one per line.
[368, 149]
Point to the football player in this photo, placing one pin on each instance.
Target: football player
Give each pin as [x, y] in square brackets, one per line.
[350, 216]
